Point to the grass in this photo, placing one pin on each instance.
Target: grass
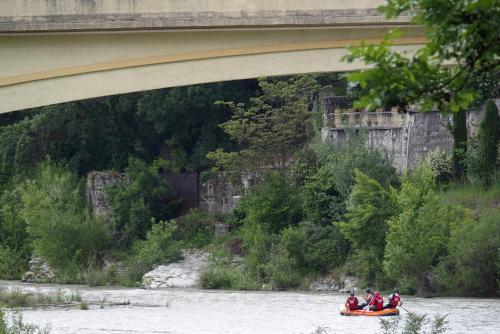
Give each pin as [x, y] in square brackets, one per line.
[17, 298]
[84, 306]
[471, 196]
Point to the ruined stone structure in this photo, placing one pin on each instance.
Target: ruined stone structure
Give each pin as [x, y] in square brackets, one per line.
[96, 195]
[405, 137]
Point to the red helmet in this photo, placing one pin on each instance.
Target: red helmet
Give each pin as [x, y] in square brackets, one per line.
[376, 294]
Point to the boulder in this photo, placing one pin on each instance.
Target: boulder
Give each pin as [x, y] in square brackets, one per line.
[182, 274]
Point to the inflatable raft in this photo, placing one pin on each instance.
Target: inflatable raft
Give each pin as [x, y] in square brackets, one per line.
[384, 312]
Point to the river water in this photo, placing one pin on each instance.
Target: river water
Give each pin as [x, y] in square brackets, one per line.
[200, 311]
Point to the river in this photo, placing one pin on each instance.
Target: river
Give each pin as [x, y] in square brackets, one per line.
[202, 311]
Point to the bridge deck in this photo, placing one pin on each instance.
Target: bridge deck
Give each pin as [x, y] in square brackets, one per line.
[30, 16]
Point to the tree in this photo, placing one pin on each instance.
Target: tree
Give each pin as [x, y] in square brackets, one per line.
[271, 128]
[418, 236]
[60, 225]
[472, 266]
[489, 139]
[368, 208]
[461, 32]
[134, 203]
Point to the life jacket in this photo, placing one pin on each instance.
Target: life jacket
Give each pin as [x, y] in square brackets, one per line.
[379, 303]
[352, 303]
[395, 299]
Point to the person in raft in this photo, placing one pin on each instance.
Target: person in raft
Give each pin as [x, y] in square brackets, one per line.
[394, 300]
[377, 302]
[352, 301]
[368, 298]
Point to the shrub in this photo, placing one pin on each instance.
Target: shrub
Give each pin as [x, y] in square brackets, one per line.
[325, 193]
[195, 228]
[417, 237]
[274, 205]
[159, 246]
[15, 244]
[415, 324]
[12, 263]
[18, 326]
[221, 273]
[63, 230]
[134, 203]
[440, 164]
[257, 245]
[472, 265]
[314, 247]
[368, 207]
[282, 270]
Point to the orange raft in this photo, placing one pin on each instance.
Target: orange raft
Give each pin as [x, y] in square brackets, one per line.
[381, 313]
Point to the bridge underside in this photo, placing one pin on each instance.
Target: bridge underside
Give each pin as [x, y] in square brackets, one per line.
[40, 70]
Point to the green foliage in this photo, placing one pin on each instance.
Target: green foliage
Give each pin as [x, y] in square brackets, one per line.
[180, 124]
[134, 203]
[462, 32]
[3, 323]
[472, 264]
[368, 208]
[417, 237]
[439, 162]
[222, 273]
[326, 191]
[314, 247]
[195, 228]
[159, 246]
[271, 128]
[274, 205]
[15, 245]
[54, 201]
[489, 141]
[282, 270]
[459, 133]
[18, 326]
[415, 324]
[12, 263]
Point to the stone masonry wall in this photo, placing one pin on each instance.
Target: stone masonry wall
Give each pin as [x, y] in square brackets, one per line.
[96, 195]
[406, 137]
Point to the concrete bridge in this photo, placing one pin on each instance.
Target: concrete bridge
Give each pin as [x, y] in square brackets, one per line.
[54, 51]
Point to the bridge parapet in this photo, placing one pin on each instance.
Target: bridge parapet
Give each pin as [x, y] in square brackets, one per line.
[31, 16]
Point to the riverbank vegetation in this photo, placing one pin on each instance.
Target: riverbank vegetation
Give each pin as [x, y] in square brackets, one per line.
[19, 299]
[316, 210]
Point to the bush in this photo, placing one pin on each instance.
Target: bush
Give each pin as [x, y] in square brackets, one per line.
[15, 244]
[440, 164]
[274, 205]
[221, 273]
[472, 266]
[195, 229]
[257, 245]
[415, 324]
[12, 264]
[159, 246]
[282, 270]
[133, 204]
[417, 237]
[18, 326]
[54, 201]
[326, 192]
[314, 247]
